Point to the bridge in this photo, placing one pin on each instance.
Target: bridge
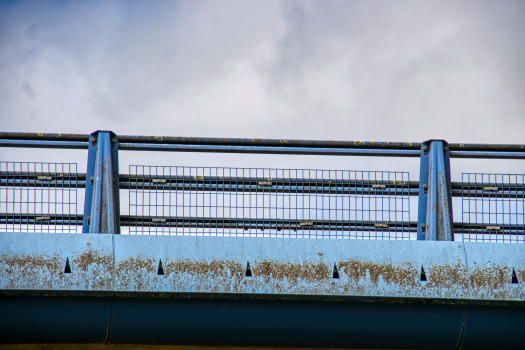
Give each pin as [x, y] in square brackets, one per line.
[260, 257]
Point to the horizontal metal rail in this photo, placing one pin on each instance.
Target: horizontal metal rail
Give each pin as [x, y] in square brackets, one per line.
[489, 229]
[39, 219]
[270, 150]
[487, 154]
[189, 183]
[267, 224]
[264, 224]
[44, 144]
[262, 146]
[262, 142]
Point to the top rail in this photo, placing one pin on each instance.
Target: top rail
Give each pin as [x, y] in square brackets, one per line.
[261, 146]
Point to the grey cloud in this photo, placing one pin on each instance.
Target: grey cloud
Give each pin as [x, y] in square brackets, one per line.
[437, 70]
[28, 90]
[381, 70]
[33, 114]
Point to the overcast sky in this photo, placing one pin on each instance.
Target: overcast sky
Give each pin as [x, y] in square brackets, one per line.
[347, 70]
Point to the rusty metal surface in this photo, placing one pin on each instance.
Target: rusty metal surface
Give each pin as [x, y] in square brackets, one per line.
[36, 261]
[278, 266]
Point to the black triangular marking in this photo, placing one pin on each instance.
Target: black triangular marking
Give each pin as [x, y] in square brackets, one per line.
[160, 270]
[335, 275]
[67, 269]
[514, 277]
[248, 270]
[423, 277]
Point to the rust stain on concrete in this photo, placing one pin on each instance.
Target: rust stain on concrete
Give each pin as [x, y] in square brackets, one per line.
[495, 282]
[307, 271]
[89, 271]
[361, 277]
[356, 277]
[140, 274]
[91, 258]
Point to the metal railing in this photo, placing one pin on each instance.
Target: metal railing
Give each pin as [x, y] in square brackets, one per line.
[178, 200]
[268, 202]
[39, 197]
[493, 207]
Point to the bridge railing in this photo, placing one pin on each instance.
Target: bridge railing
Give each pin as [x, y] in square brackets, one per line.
[177, 200]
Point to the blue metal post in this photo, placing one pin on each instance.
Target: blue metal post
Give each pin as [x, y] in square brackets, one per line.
[101, 205]
[435, 193]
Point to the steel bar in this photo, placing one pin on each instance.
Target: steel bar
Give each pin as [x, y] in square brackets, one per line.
[275, 188]
[494, 229]
[487, 154]
[43, 136]
[43, 144]
[266, 224]
[37, 219]
[246, 224]
[157, 143]
[241, 184]
[264, 142]
[126, 220]
[39, 183]
[268, 142]
[269, 150]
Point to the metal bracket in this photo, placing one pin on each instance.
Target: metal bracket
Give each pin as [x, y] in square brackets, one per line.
[435, 193]
[102, 205]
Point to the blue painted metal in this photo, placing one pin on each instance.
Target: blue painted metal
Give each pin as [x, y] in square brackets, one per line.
[491, 327]
[53, 318]
[286, 323]
[102, 205]
[184, 144]
[116, 318]
[269, 150]
[264, 142]
[423, 189]
[487, 155]
[310, 150]
[435, 193]
[44, 144]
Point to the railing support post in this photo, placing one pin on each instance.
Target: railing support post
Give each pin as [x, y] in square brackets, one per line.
[101, 205]
[435, 193]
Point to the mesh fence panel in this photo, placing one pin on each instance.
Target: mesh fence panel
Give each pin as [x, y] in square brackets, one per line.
[493, 208]
[268, 202]
[38, 197]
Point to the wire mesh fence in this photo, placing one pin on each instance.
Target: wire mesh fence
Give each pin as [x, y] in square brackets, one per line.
[493, 208]
[268, 202]
[39, 197]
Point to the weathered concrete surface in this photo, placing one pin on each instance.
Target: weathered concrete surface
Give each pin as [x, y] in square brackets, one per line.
[279, 266]
[291, 266]
[490, 270]
[36, 261]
